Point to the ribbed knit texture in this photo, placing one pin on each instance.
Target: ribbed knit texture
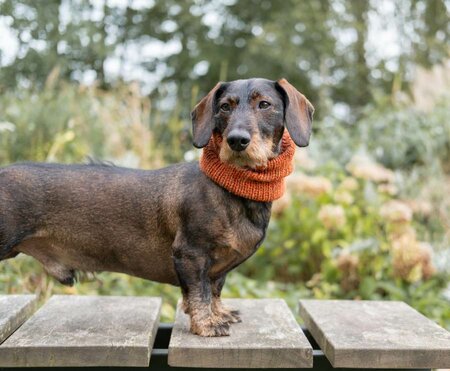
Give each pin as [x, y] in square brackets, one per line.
[265, 184]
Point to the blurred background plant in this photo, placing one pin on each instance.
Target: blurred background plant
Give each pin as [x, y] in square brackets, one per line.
[367, 213]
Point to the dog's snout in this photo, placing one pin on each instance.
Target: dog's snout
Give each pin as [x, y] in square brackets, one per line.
[238, 140]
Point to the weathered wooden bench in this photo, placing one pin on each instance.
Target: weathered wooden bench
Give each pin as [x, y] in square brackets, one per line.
[107, 331]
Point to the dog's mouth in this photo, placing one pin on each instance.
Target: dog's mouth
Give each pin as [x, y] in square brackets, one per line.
[255, 156]
[241, 159]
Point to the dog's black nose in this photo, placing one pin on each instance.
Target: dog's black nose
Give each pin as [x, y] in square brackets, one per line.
[238, 140]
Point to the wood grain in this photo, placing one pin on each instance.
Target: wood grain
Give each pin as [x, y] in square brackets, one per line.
[14, 310]
[376, 334]
[267, 337]
[85, 331]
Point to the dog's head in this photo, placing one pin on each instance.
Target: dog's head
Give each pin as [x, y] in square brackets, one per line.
[251, 116]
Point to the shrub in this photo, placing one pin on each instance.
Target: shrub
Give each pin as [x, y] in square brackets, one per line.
[351, 238]
[397, 137]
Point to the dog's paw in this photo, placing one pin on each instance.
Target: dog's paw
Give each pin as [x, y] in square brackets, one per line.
[210, 328]
[229, 315]
[235, 315]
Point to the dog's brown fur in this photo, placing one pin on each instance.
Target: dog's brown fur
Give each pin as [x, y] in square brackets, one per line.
[172, 225]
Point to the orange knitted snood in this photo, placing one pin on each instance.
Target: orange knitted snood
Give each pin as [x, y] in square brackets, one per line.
[265, 184]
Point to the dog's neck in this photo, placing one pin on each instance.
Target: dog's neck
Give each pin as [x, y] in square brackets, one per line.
[262, 185]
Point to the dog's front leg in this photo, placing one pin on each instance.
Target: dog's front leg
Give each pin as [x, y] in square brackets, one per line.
[192, 271]
[227, 315]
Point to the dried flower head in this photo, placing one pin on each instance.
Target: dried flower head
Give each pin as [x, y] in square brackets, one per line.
[344, 197]
[332, 216]
[310, 185]
[396, 212]
[349, 184]
[365, 168]
[412, 259]
[388, 188]
[420, 207]
[348, 265]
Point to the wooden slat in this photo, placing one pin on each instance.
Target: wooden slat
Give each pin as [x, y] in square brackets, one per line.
[14, 310]
[267, 337]
[376, 334]
[85, 331]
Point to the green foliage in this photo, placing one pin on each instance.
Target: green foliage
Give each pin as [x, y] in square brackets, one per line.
[57, 33]
[410, 137]
[69, 123]
[41, 126]
[398, 137]
[323, 46]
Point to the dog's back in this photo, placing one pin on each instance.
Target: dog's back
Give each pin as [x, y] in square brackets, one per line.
[89, 217]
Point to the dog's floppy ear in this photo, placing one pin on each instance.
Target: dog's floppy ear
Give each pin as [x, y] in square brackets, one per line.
[203, 118]
[298, 113]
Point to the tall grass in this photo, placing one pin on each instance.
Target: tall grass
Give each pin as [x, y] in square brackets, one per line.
[68, 123]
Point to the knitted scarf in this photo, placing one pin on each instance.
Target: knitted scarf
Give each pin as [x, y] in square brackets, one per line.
[265, 184]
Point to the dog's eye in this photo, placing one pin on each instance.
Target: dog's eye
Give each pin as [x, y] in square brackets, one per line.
[225, 107]
[264, 105]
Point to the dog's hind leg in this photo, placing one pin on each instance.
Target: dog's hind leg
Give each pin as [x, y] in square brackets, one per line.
[43, 250]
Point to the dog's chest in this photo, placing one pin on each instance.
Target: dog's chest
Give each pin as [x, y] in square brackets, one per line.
[237, 249]
[238, 242]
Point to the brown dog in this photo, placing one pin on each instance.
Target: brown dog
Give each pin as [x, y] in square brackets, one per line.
[173, 225]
